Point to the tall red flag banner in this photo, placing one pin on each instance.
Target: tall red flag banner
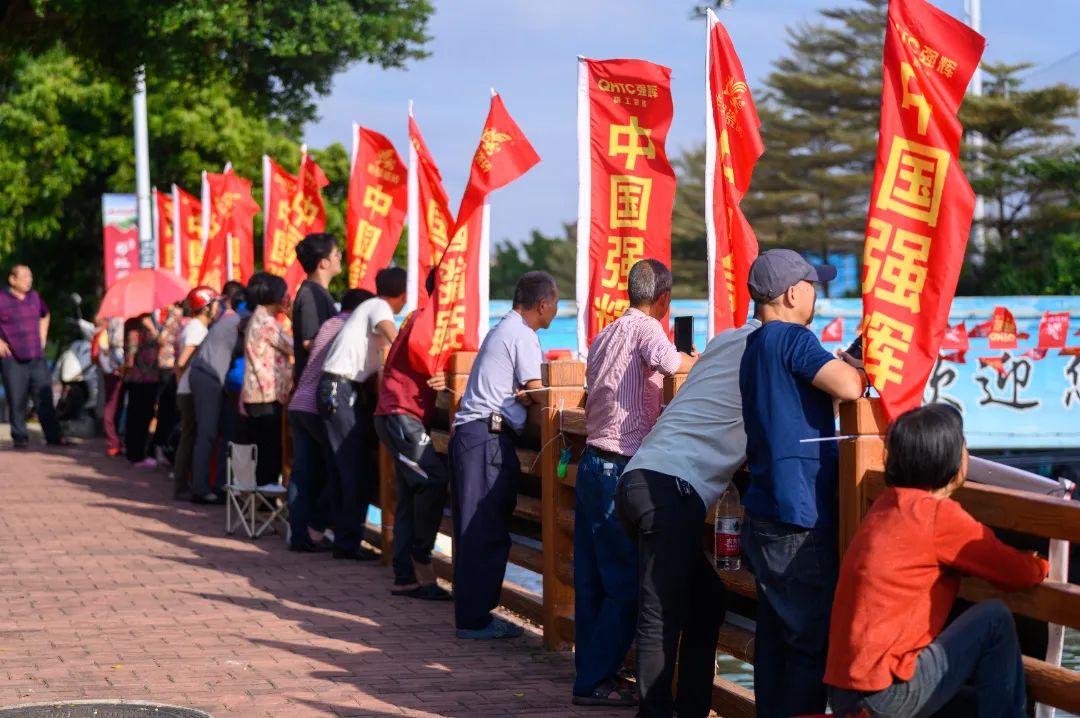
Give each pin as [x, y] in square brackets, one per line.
[732, 145]
[1053, 330]
[187, 227]
[229, 250]
[279, 188]
[167, 241]
[1002, 329]
[307, 215]
[921, 203]
[378, 194]
[626, 187]
[455, 318]
[430, 221]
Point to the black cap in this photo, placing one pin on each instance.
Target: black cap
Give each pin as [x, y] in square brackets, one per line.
[777, 269]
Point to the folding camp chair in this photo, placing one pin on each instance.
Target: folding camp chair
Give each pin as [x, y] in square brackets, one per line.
[244, 497]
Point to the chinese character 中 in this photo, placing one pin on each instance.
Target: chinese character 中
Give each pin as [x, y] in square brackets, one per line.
[626, 140]
[630, 201]
[941, 378]
[1017, 377]
[914, 181]
[914, 99]
[887, 342]
[376, 200]
[623, 252]
[608, 309]
[895, 264]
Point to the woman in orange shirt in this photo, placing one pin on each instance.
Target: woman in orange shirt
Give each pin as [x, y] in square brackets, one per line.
[890, 653]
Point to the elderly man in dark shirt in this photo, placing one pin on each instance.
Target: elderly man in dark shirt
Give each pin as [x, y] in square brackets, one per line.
[24, 327]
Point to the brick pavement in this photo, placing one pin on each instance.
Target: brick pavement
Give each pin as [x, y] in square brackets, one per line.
[110, 590]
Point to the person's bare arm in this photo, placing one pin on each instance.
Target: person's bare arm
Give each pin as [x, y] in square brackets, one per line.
[686, 362]
[388, 329]
[5, 350]
[182, 361]
[841, 379]
[526, 394]
[43, 328]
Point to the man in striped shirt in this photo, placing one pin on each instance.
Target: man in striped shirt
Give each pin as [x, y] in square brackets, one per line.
[627, 364]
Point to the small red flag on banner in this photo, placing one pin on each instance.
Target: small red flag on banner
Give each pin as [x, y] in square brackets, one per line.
[455, 316]
[733, 146]
[187, 224]
[1003, 329]
[982, 330]
[955, 357]
[1053, 329]
[996, 363]
[1069, 352]
[956, 338]
[378, 194]
[430, 221]
[168, 248]
[1036, 353]
[921, 202]
[833, 331]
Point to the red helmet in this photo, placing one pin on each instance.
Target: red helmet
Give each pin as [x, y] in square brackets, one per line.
[199, 298]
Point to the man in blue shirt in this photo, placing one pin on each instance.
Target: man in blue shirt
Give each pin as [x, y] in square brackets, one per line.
[788, 384]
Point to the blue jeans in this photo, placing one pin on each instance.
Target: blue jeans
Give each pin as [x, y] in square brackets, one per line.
[795, 570]
[308, 501]
[980, 646]
[26, 380]
[605, 576]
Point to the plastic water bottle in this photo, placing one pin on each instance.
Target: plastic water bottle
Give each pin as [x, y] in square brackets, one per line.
[728, 523]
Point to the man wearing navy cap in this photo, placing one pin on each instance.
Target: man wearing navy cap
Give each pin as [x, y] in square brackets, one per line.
[788, 384]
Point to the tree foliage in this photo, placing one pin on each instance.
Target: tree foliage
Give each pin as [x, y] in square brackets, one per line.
[550, 254]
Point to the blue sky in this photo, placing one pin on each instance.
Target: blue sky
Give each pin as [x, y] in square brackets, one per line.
[526, 49]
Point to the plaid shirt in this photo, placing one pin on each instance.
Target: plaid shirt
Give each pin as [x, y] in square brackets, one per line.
[19, 326]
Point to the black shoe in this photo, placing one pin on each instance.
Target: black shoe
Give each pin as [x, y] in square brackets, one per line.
[182, 495]
[210, 499]
[21, 444]
[360, 554]
[62, 441]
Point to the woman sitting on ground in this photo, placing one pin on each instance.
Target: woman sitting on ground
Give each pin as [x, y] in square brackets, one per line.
[888, 652]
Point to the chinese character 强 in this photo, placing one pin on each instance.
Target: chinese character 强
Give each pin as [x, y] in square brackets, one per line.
[623, 252]
[895, 264]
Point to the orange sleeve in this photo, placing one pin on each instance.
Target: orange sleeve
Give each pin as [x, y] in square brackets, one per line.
[972, 548]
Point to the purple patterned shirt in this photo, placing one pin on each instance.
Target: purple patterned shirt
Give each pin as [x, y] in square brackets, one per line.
[19, 323]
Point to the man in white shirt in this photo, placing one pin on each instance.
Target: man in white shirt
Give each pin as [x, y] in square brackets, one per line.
[202, 304]
[347, 407]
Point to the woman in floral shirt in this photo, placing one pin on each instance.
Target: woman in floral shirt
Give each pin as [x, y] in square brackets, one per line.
[267, 371]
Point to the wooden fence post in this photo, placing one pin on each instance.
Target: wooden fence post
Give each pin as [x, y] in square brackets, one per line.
[865, 420]
[565, 380]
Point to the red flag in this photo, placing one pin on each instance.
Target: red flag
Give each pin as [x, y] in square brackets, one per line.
[955, 357]
[997, 363]
[1069, 352]
[981, 331]
[187, 224]
[921, 202]
[452, 320]
[1053, 329]
[626, 185]
[168, 250]
[231, 237]
[734, 146]
[833, 331]
[1003, 329]
[431, 216]
[279, 189]
[956, 338]
[1036, 353]
[307, 216]
[378, 194]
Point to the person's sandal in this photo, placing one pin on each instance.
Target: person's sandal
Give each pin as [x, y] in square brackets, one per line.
[430, 592]
[602, 696]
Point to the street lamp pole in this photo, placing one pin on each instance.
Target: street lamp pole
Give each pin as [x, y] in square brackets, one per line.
[973, 9]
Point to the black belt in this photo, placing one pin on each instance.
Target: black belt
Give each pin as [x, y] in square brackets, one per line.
[609, 455]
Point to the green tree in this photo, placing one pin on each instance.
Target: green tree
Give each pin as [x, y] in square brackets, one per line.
[555, 255]
[689, 255]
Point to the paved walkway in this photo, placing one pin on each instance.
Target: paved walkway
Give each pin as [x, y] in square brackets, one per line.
[110, 590]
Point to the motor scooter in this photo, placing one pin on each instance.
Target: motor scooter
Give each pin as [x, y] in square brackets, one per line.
[78, 377]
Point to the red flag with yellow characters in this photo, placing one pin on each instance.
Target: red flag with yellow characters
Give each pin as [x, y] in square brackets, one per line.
[378, 194]
[626, 185]
[307, 216]
[230, 249]
[279, 188]
[732, 149]
[187, 226]
[456, 318]
[921, 203]
[168, 250]
[430, 221]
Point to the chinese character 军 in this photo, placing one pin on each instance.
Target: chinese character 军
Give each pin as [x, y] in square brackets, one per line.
[626, 140]
[623, 252]
[895, 264]
[608, 309]
[376, 200]
[914, 181]
[887, 342]
[449, 330]
[451, 285]
[630, 201]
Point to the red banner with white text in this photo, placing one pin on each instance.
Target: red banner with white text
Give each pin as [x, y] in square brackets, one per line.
[378, 194]
[187, 224]
[626, 184]
[431, 215]
[734, 147]
[921, 203]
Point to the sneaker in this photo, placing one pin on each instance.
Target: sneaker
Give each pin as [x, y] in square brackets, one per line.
[498, 628]
[209, 499]
[148, 463]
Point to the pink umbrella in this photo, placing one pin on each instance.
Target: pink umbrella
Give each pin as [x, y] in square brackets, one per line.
[141, 292]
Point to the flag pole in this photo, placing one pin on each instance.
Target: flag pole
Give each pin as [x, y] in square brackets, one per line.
[710, 175]
[177, 241]
[147, 253]
[413, 233]
[584, 207]
[973, 8]
[484, 273]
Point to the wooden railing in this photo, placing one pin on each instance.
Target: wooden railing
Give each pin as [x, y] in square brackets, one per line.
[544, 517]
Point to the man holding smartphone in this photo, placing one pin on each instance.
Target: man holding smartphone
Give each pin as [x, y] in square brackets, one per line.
[483, 460]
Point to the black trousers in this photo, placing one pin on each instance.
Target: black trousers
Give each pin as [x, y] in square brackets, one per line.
[184, 450]
[25, 380]
[142, 396]
[346, 411]
[168, 412]
[484, 476]
[263, 428]
[680, 593]
[422, 479]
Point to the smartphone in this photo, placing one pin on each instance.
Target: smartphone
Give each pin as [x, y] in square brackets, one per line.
[855, 348]
[684, 334]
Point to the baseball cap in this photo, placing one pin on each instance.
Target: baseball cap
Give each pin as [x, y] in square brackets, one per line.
[777, 269]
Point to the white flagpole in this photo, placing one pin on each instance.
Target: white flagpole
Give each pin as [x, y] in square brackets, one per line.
[584, 207]
[205, 197]
[267, 207]
[228, 243]
[710, 175]
[484, 273]
[178, 246]
[413, 237]
[155, 230]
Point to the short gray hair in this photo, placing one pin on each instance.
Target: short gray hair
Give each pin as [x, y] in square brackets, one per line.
[647, 282]
[533, 288]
